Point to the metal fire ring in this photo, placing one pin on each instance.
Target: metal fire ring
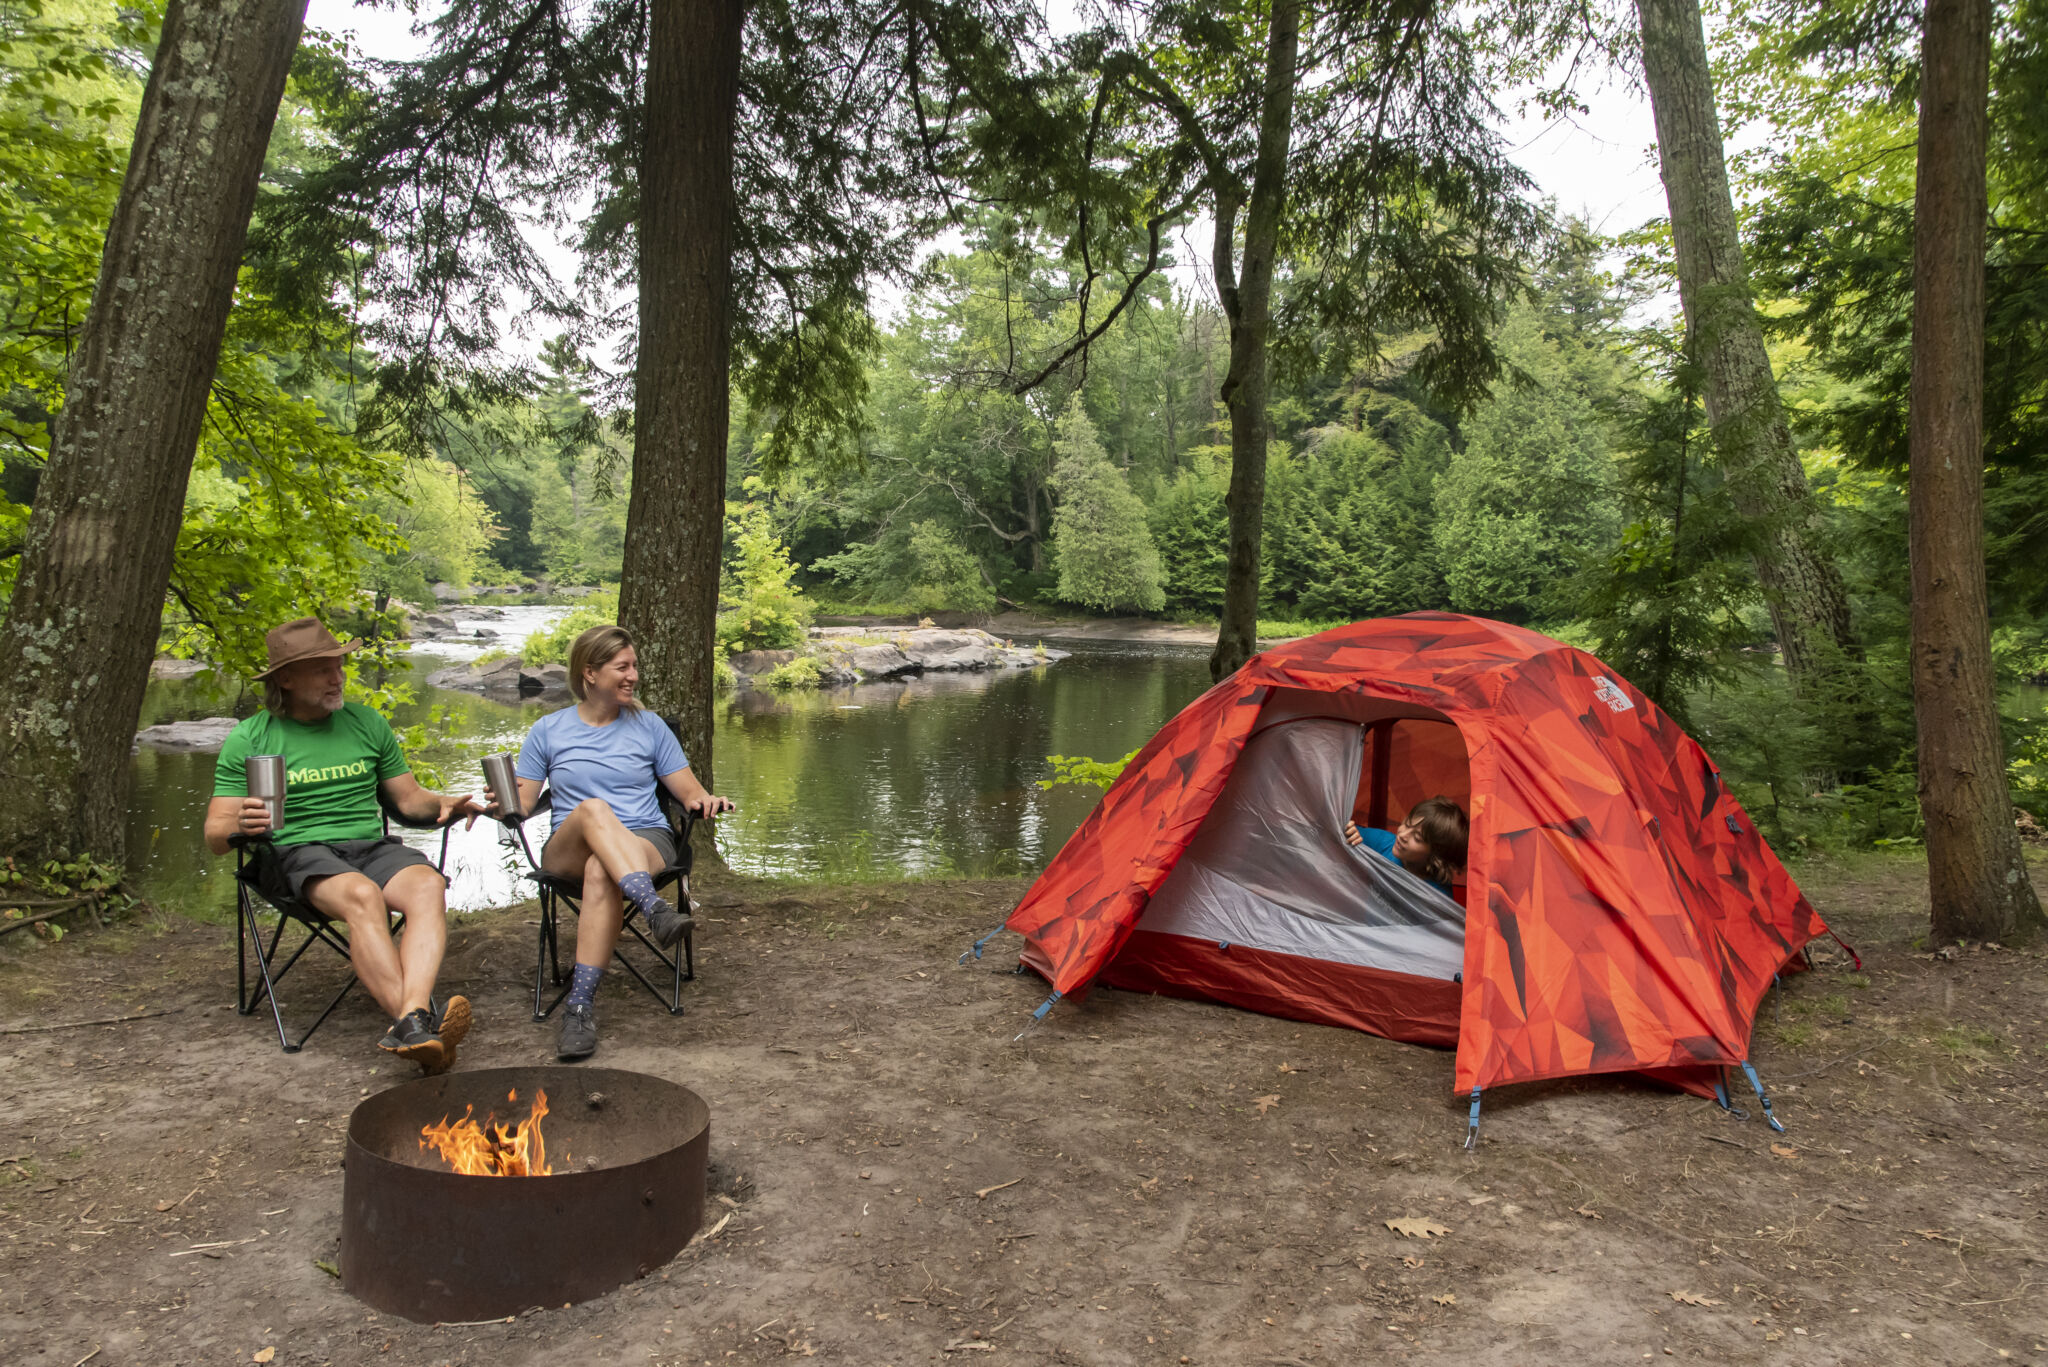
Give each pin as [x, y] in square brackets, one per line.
[417, 1240]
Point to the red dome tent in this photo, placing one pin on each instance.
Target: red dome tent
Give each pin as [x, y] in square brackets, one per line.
[1621, 911]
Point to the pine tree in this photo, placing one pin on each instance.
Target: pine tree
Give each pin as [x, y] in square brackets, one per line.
[1102, 547]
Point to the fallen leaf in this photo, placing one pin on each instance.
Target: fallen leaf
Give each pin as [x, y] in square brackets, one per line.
[263, 1355]
[1694, 1298]
[715, 1230]
[1448, 1298]
[1479, 1200]
[1289, 1068]
[329, 1268]
[1784, 1151]
[983, 1193]
[1589, 1213]
[1410, 1260]
[1772, 1335]
[1417, 1227]
[1266, 1103]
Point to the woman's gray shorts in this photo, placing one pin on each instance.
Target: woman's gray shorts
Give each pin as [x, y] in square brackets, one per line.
[661, 837]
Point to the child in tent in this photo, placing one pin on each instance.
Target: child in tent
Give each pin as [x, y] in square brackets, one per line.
[1430, 844]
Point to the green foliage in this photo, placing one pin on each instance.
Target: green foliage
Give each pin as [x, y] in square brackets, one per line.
[943, 573]
[1083, 772]
[1532, 486]
[1191, 529]
[1665, 606]
[802, 672]
[551, 647]
[1102, 548]
[764, 610]
[443, 529]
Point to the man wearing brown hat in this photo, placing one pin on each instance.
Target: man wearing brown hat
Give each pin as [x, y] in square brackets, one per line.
[332, 851]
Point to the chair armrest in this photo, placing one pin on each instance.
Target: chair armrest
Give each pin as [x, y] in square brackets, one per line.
[242, 841]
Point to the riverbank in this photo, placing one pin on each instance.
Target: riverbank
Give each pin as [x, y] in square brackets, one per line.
[1139, 1180]
[1019, 625]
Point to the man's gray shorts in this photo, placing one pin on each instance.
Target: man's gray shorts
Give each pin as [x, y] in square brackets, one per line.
[380, 860]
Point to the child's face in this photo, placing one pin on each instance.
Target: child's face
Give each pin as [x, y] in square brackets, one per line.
[1409, 846]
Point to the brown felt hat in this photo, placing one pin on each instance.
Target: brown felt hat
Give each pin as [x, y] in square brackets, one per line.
[305, 639]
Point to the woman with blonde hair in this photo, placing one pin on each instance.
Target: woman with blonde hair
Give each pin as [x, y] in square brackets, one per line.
[601, 760]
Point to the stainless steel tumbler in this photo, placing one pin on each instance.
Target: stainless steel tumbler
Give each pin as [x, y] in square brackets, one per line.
[267, 781]
[504, 784]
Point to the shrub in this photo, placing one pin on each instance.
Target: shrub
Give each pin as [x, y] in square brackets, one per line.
[767, 611]
[802, 672]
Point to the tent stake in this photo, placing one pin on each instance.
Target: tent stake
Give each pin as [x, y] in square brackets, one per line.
[1472, 1123]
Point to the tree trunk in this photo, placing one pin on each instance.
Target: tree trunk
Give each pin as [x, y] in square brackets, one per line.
[675, 520]
[88, 605]
[1247, 297]
[1809, 607]
[1976, 870]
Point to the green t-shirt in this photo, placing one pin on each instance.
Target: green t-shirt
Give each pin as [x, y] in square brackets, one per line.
[332, 769]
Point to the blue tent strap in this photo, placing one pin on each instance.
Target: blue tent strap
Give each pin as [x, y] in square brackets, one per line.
[1044, 1009]
[975, 952]
[1472, 1122]
[1762, 1100]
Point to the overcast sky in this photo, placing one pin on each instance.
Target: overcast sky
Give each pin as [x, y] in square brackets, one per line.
[1598, 165]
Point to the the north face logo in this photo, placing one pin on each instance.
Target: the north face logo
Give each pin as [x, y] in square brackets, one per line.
[1607, 691]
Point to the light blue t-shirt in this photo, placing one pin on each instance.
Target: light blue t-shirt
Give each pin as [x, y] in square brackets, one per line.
[1382, 842]
[618, 763]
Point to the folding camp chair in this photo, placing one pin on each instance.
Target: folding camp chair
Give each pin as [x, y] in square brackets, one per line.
[557, 891]
[256, 881]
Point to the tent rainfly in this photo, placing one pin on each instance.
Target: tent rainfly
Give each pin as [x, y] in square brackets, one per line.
[1621, 912]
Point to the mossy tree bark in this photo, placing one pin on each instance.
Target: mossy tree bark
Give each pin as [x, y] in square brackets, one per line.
[675, 522]
[88, 602]
[1809, 607]
[1977, 872]
[1247, 296]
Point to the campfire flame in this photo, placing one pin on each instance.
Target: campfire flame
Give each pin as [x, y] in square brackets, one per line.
[491, 1149]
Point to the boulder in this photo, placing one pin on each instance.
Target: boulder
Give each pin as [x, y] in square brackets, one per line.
[752, 662]
[204, 736]
[177, 669]
[880, 662]
[959, 658]
[445, 593]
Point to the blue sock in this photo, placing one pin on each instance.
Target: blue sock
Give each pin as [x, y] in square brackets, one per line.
[639, 890]
[583, 988]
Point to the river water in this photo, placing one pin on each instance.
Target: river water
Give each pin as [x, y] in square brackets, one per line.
[937, 775]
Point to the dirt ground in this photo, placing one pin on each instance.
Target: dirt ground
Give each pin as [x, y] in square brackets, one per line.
[1173, 1182]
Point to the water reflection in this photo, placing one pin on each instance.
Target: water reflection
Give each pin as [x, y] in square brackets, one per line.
[925, 776]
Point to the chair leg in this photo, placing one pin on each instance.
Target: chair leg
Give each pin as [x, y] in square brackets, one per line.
[540, 956]
[550, 957]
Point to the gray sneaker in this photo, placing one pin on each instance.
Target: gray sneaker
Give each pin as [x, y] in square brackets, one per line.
[578, 1039]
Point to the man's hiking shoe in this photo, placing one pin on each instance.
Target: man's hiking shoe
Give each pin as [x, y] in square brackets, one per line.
[450, 1020]
[412, 1036]
[578, 1039]
[668, 924]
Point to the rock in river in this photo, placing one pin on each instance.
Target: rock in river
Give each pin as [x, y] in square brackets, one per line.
[204, 736]
[506, 681]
